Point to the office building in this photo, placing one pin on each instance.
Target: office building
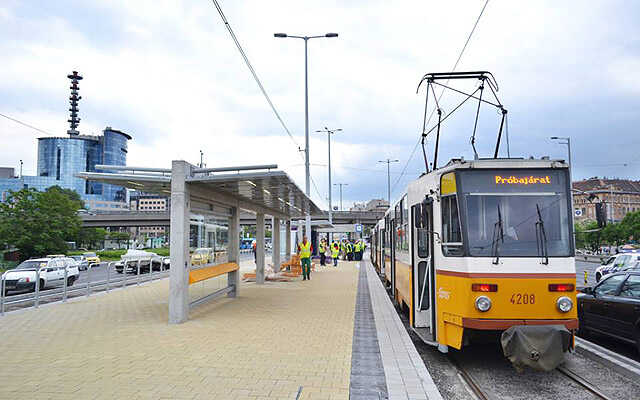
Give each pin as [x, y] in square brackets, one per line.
[620, 197]
[61, 158]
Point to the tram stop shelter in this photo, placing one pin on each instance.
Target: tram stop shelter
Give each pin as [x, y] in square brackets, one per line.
[223, 192]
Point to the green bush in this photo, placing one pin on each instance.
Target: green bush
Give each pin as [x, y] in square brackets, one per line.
[110, 255]
[162, 251]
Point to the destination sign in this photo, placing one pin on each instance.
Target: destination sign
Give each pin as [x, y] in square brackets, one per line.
[522, 180]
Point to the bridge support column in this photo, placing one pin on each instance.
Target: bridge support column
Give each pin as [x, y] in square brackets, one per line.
[259, 248]
[233, 250]
[287, 250]
[180, 261]
[275, 244]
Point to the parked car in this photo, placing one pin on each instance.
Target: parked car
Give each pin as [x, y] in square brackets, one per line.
[129, 262]
[616, 263]
[92, 258]
[202, 256]
[52, 272]
[82, 262]
[612, 307]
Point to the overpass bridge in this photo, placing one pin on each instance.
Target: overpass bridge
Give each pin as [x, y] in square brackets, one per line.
[104, 219]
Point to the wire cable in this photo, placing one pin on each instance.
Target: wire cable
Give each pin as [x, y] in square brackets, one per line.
[466, 43]
[259, 83]
[253, 71]
[25, 124]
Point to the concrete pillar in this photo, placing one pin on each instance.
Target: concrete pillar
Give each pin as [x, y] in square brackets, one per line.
[233, 250]
[287, 247]
[259, 248]
[179, 244]
[275, 236]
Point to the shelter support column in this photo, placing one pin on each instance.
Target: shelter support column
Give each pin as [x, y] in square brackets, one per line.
[287, 249]
[180, 261]
[275, 253]
[259, 248]
[233, 250]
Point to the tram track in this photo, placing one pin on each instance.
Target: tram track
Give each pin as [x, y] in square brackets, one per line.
[482, 394]
[582, 382]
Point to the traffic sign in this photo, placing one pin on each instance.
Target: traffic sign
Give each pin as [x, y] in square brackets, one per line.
[359, 228]
[578, 212]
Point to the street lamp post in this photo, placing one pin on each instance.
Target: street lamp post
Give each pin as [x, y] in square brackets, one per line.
[329, 132]
[388, 162]
[341, 185]
[306, 114]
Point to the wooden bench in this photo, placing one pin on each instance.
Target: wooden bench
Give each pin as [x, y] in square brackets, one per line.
[202, 274]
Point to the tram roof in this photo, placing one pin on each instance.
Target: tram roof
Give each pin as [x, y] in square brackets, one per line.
[270, 192]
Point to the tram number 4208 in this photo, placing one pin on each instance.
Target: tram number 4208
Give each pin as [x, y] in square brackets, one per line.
[523, 298]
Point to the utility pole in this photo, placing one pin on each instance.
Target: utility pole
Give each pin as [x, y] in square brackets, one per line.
[306, 115]
[388, 162]
[201, 161]
[341, 185]
[20, 169]
[329, 132]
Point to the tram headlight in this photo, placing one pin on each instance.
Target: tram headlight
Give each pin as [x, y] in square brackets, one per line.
[483, 303]
[564, 304]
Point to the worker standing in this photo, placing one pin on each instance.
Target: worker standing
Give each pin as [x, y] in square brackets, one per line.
[335, 251]
[357, 250]
[323, 250]
[349, 247]
[343, 249]
[304, 252]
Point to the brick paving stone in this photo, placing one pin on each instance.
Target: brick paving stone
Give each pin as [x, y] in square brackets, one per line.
[266, 343]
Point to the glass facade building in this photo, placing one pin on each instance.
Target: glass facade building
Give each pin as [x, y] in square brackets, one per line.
[61, 158]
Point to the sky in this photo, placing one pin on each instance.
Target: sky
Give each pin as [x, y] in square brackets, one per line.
[168, 73]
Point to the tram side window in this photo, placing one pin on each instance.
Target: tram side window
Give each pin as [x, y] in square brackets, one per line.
[451, 236]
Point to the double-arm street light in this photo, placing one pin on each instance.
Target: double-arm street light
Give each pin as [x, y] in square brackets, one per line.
[306, 113]
[329, 132]
[388, 162]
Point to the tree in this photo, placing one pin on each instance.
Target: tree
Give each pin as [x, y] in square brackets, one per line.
[71, 194]
[90, 236]
[39, 223]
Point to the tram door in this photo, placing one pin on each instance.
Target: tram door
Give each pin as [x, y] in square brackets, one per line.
[380, 250]
[423, 276]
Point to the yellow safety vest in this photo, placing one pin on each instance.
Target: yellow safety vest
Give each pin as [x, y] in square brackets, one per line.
[357, 247]
[305, 250]
[334, 252]
[323, 248]
[349, 248]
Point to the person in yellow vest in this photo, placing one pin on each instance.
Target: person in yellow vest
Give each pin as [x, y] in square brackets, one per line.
[304, 251]
[343, 249]
[358, 251]
[323, 250]
[335, 252]
[349, 247]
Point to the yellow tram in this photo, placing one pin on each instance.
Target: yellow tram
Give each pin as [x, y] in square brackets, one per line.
[484, 249]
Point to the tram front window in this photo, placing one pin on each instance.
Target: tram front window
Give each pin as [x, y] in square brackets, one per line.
[516, 213]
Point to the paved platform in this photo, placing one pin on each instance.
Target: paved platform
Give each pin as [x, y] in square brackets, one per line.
[276, 341]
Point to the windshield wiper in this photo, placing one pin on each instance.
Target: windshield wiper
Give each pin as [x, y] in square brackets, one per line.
[498, 235]
[541, 238]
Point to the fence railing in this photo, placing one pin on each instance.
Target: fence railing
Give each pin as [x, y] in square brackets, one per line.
[112, 280]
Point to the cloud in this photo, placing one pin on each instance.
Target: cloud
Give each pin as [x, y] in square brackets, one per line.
[167, 73]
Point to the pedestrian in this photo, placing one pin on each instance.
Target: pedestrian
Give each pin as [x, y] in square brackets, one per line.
[255, 253]
[356, 249]
[349, 247]
[323, 250]
[343, 249]
[335, 251]
[304, 251]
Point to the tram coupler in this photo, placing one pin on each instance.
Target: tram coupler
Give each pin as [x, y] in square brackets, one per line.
[541, 347]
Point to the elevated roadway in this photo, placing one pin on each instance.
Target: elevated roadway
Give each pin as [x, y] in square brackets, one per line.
[161, 218]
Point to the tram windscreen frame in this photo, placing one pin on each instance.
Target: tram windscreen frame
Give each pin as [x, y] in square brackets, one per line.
[518, 194]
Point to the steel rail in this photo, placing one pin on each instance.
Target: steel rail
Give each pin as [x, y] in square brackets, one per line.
[582, 382]
[468, 379]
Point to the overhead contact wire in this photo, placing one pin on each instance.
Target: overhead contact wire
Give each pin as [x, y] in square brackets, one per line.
[466, 43]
